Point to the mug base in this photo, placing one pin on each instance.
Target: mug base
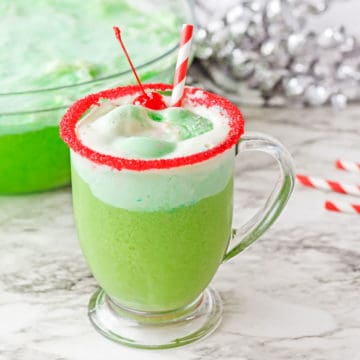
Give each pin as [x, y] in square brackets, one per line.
[156, 330]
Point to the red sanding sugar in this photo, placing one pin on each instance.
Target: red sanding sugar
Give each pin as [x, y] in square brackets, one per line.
[77, 110]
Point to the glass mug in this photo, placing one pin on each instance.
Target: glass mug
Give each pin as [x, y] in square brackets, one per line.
[154, 232]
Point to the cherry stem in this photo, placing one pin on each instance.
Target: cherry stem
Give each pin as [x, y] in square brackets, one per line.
[118, 36]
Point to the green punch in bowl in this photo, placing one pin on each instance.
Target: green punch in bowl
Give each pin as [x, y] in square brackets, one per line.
[52, 53]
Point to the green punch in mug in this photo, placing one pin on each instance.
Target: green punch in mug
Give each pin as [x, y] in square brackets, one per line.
[153, 203]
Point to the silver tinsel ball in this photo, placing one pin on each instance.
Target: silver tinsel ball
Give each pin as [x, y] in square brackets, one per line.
[269, 47]
[235, 14]
[273, 10]
[241, 64]
[348, 44]
[296, 44]
[203, 49]
[293, 86]
[237, 30]
[264, 45]
[330, 38]
[300, 67]
[338, 101]
[347, 72]
[317, 6]
[316, 95]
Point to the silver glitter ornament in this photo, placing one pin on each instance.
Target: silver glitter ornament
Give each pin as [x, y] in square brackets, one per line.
[269, 80]
[227, 51]
[268, 47]
[237, 30]
[243, 70]
[300, 11]
[235, 14]
[317, 6]
[241, 64]
[273, 9]
[215, 26]
[348, 44]
[201, 35]
[293, 2]
[351, 89]
[218, 34]
[347, 72]
[275, 30]
[322, 70]
[256, 32]
[281, 58]
[338, 101]
[316, 95]
[293, 86]
[296, 43]
[257, 19]
[330, 38]
[217, 39]
[202, 47]
[254, 5]
[261, 75]
[265, 44]
[300, 67]
[238, 57]
[204, 52]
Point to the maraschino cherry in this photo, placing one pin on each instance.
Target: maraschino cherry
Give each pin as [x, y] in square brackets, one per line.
[152, 100]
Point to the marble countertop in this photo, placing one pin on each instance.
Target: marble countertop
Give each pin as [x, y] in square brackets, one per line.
[293, 295]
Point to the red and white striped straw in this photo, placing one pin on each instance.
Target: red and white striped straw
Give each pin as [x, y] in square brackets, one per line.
[348, 165]
[182, 64]
[342, 207]
[328, 185]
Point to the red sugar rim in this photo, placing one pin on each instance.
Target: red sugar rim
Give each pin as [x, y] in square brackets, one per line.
[77, 110]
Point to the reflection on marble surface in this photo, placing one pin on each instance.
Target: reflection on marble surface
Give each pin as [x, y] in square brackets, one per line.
[293, 295]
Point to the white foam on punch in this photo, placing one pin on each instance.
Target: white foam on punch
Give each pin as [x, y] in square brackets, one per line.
[153, 190]
[103, 129]
[159, 189]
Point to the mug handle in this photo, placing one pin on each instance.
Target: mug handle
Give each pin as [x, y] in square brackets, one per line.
[278, 198]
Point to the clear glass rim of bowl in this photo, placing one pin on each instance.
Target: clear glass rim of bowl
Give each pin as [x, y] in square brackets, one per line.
[192, 19]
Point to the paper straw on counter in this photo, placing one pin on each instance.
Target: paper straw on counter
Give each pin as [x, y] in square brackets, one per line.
[343, 207]
[328, 185]
[348, 165]
[182, 64]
